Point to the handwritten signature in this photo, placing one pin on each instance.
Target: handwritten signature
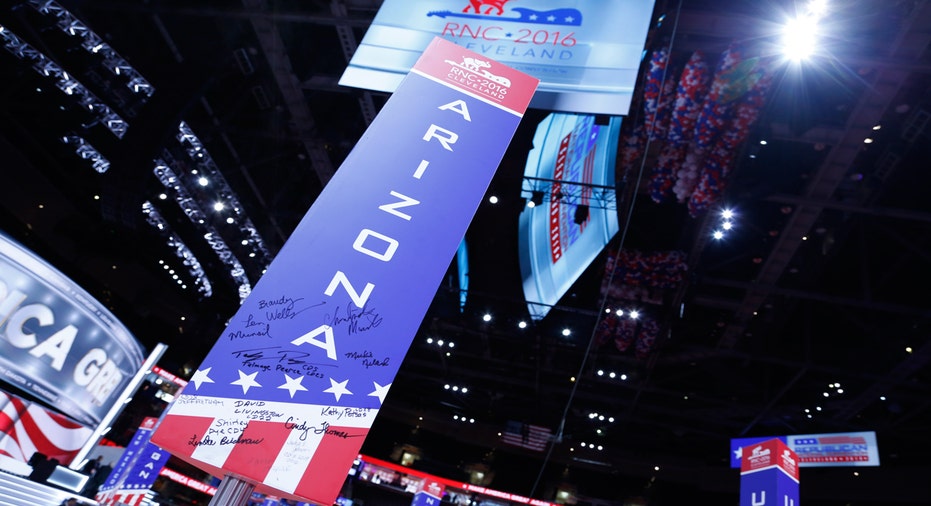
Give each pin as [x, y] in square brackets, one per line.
[324, 428]
[273, 357]
[357, 320]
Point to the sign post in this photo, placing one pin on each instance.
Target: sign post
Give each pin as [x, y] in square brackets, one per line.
[769, 475]
[288, 393]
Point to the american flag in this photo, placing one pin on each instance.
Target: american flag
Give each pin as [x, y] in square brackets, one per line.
[27, 428]
[532, 437]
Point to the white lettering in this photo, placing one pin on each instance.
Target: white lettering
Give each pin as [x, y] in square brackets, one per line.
[359, 245]
[89, 366]
[393, 207]
[762, 500]
[421, 169]
[789, 502]
[329, 345]
[10, 301]
[15, 328]
[460, 107]
[57, 346]
[340, 279]
[104, 382]
[434, 133]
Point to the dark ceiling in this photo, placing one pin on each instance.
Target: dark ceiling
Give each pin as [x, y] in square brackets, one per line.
[823, 280]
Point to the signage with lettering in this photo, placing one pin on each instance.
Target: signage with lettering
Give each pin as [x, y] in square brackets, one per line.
[839, 449]
[288, 393]
[769, 475]
[586, 53]
[57, 342]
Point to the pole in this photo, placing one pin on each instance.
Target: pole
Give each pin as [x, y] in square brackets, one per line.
[232, 492]
[104, 426]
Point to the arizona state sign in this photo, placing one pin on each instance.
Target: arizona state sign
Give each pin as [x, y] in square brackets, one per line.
[288, 393]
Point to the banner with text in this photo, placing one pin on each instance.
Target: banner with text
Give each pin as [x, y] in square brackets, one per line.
[586, 53]
[288, 393]
[57, 342]
[837, 449]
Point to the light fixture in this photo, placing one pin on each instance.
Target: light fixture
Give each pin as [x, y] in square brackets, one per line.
[799, 37]
[493, 199]
[536, 198]
[581, 214]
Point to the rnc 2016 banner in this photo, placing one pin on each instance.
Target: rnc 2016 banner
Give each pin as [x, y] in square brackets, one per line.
[58, 343]
[573, 159]
[288, 393]
[586, 53]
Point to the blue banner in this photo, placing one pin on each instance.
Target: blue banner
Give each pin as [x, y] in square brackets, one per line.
[769, 475]
[130, 456]
[288, 393]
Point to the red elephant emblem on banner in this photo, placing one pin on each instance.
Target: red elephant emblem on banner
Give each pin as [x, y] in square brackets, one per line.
[476, 5]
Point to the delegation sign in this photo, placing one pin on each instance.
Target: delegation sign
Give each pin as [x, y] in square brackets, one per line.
[288, 393]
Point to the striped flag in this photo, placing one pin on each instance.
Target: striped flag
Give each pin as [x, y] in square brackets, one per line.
[27, 428]
[532, 437]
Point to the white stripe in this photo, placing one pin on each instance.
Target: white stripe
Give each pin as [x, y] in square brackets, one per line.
[469, 93]
[288, 469]
[67, 439]
[268, 411]
[25, 442]
[10, 446]
[215, 453]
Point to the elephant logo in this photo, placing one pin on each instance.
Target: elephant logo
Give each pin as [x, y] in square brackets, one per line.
[476, 6]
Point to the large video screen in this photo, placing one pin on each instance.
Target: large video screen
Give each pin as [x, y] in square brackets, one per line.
[569, 175]
[586, 53]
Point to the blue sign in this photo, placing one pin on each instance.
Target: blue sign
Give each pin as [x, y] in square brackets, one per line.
[769, 475]
[771, 487]
[148, 464]
[130, 456]
[424, 499]
[288, 393]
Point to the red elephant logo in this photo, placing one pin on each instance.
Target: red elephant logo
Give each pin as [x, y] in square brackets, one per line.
[476, 5]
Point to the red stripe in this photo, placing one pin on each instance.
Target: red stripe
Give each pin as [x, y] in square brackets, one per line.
[42, 442]
[177, 429]
[330, 464]
[255, 460]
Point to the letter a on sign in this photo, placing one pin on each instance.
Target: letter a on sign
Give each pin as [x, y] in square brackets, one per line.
[349, 288]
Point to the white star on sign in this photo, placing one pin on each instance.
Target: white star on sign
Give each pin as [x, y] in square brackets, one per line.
[738, 453]
[246, 381]
[338, 388]
[201, 377]
[380, 392]
[292, 385]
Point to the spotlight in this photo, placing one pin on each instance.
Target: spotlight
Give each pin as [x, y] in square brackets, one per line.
[536, 198]
[581, 214]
